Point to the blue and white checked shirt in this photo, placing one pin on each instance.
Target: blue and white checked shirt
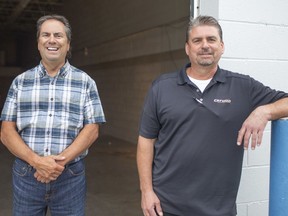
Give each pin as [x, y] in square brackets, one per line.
[51, 111]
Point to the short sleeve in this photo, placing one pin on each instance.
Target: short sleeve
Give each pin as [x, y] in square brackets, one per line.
[93, 110]
[9, 111]
[149, 123]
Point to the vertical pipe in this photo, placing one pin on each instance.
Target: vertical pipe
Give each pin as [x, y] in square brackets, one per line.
[194, 8]
[191, 9]
[278, 197]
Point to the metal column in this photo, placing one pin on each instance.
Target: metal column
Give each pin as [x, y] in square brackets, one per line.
[278, 200]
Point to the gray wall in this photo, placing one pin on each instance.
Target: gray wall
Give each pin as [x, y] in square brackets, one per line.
[124, 45]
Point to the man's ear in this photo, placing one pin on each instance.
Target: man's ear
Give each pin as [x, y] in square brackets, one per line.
[223, 47]
[187, 48]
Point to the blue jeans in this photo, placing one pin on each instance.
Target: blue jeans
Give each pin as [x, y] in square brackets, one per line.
[64, 196]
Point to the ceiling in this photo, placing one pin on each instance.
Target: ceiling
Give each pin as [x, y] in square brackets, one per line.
[22, 15]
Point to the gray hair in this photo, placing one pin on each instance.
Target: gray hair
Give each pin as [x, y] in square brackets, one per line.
[59, 18]
[204, 21]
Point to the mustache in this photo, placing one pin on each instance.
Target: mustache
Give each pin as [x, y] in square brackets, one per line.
[205, 53]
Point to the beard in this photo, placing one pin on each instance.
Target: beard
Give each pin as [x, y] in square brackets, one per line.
[205, 62]
[205, 57]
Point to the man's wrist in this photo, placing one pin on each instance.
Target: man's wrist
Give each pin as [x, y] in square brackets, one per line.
[33, 159]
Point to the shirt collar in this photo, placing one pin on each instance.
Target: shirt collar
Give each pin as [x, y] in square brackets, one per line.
[183, 77]
[62, 73]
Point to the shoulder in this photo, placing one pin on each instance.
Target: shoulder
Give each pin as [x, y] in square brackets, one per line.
[26, 75]
[30, 72]
[76, 72]
[166, 77]
[235, 75]
[237, 78]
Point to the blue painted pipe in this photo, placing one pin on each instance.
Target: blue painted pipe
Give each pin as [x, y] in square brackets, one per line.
[278, 196]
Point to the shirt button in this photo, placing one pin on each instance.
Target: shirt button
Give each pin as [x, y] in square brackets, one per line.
[197, 90]
[201, 99]
[46, 150]
[48, 132]
[51, 99]
[50, 115]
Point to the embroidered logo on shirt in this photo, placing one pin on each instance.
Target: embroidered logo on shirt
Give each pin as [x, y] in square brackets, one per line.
[222, 101]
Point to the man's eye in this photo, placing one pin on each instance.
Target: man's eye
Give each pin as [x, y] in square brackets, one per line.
[196, 41]
[212, 39]
[58, 36]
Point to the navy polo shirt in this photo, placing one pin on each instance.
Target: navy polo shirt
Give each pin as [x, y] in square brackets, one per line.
[197, 163]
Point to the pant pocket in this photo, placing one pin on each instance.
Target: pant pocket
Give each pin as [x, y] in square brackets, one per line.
[77, 168]
[21, 168]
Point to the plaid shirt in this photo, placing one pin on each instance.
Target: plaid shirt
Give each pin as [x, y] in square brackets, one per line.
[51, 111]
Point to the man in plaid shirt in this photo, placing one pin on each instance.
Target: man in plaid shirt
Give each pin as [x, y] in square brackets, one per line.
[50, 118]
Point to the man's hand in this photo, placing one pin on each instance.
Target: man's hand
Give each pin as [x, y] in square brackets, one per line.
[151, 204]
[253, 127]
[49, 168]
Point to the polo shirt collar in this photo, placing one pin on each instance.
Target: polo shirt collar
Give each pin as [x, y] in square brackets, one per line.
[62, 73]
[183, 77]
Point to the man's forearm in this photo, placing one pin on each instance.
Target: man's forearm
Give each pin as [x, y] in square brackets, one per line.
[83, 141]
[15, 144]
[145, 152]
[278, 109]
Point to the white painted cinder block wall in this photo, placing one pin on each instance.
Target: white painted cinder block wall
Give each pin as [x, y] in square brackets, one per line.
[255, 37]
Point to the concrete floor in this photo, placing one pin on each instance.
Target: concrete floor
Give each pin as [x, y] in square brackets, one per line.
[112, 179]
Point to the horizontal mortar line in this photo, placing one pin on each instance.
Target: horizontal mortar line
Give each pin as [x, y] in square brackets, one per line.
[255, 23]
[256, 59]
[253, 202]
[256, 166]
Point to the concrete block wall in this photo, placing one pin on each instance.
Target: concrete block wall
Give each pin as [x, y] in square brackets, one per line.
[254, 37]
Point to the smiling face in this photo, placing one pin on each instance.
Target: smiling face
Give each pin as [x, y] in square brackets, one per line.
[53, 43]
[204, 46]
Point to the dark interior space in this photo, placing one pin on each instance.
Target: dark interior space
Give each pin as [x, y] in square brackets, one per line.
[18, 46]
[109, 158]
[123, 45]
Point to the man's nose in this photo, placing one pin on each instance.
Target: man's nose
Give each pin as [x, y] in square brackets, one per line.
[205, 44]
[51, 39]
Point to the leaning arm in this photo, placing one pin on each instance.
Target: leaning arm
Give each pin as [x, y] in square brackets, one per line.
[278, 109]
[253, 127]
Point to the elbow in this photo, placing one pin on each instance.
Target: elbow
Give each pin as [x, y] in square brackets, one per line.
[2, 135]
[1, 139]
[95, 133]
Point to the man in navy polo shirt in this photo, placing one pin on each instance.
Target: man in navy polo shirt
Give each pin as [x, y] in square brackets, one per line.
[192, 127]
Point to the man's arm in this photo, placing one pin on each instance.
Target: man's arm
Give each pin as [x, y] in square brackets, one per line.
[145, 153]
[46, 166]
[253, 127]
[82, 142]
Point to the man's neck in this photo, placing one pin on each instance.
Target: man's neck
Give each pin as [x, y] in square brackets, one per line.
[201, 73]
[53, 69]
